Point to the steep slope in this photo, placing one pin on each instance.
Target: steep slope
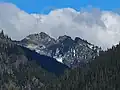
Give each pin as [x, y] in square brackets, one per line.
[64, 49]
[23, 69]
[48, 63]
[103, 74]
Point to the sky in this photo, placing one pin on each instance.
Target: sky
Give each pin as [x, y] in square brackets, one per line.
[44, 6]
[97, 21]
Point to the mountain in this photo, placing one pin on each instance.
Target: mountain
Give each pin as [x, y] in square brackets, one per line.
[93, 25]
[48, 63]
[103, 74]
[24, 69]
[64, 49]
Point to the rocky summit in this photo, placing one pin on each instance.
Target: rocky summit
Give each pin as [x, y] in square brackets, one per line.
[66, 50]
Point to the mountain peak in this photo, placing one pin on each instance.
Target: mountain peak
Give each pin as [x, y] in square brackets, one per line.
[43, 35]
[63, 49]
[38, 36]
[79, 40]
[63, 38]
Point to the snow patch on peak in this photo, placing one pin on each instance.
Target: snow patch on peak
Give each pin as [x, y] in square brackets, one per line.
[59, 59]
[31, 46]
[74, 53]
[90, 46]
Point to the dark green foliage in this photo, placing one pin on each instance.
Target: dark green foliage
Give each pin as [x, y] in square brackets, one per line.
[103, 74]
[17, 72]
[48, 63]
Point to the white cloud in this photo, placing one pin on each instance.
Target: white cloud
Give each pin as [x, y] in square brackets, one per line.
[98, 27]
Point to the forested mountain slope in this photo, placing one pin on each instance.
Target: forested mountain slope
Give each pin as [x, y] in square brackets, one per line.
[23, 69]
[103, 74]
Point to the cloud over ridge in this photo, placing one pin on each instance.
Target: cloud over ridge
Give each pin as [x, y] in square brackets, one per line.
[96, 26]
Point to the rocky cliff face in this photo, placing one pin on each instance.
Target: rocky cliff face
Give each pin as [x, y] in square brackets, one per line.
[64, 49]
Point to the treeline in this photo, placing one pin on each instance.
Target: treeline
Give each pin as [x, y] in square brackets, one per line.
[102, 74]
[17, 72]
